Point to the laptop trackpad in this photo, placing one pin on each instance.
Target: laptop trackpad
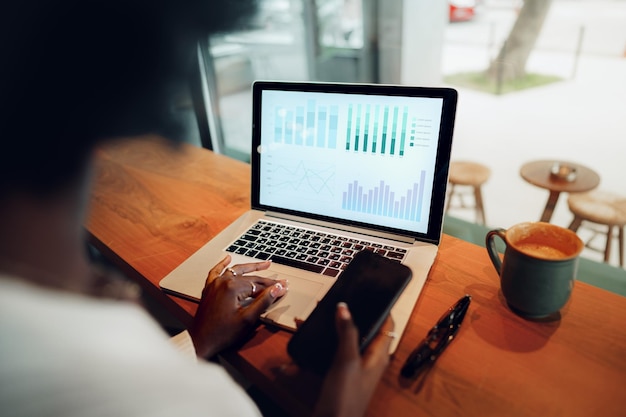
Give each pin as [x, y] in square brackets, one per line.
[298, 303]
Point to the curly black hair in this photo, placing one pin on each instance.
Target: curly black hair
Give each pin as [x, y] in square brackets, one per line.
[76, 72]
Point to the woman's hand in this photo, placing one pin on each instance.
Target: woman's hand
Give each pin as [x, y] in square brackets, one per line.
[222, 317]
[351, 380]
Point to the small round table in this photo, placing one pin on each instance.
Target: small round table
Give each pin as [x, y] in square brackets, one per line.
[539, 173]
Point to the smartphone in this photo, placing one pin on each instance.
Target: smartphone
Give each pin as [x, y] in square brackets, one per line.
[370, 286]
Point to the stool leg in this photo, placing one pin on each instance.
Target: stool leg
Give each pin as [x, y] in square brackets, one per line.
[450, 195]
[480, 210]
[575, 224]
[621, 246]
[609, 238]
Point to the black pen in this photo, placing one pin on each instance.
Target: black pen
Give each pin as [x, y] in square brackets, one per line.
[437, 339]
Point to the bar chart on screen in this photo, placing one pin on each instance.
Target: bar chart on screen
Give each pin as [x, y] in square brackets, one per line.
[359, 126]
[379, 129]
[307, 125]
[383, 200]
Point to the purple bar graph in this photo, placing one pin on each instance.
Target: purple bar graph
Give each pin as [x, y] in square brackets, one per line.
[382, 201]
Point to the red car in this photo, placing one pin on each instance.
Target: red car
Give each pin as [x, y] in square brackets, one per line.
[462, 10]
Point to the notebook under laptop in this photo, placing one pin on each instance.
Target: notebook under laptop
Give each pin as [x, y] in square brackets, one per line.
[362, 166]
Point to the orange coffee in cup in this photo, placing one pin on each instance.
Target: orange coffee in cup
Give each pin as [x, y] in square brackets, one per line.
[544, 241]
[538, 269]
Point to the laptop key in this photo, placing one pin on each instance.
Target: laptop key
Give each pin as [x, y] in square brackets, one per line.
[297, 264]
[252, 253]
[331, 272]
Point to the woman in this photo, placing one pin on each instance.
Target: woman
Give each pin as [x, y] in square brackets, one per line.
[74, 75]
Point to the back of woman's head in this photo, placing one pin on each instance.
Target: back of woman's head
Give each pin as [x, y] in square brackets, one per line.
[76, 72]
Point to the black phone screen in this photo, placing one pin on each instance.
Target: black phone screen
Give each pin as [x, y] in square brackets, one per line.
[370, 286]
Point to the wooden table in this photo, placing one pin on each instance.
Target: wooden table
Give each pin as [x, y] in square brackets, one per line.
[539, 173]
[152, 207]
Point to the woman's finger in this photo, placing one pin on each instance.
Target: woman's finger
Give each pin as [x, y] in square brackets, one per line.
[348, 343]
[217, 270]
[241, 269]
[252, 285]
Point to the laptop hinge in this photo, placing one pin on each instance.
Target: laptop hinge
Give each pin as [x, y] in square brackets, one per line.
[335, 226]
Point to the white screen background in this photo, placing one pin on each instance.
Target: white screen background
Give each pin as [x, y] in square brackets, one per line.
[356, 157]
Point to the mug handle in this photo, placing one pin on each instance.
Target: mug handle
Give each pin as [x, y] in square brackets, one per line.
[490, 244]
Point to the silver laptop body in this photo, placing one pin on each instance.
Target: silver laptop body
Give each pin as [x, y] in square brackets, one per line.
[362, 165]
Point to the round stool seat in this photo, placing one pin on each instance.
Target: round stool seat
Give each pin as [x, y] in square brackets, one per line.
[604, 208]
[598, 206]
[468, 173]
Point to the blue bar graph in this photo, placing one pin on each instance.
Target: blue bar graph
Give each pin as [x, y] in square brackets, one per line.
[311, 125]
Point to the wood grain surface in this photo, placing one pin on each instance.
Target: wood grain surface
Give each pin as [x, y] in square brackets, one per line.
[152, 206]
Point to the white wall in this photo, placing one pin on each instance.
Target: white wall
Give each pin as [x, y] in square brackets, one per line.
[423, 27]
[411, 35]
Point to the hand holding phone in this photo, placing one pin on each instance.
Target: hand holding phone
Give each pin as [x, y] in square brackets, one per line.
[370, 286]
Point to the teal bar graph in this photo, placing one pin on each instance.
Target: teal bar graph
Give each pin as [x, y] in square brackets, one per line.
[405, 116]
[394, 130]
[375, 136]
[367, 125]
[376, 128]
[349, 129]
[384, 133]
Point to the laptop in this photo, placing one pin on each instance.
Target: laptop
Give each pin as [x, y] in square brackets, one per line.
[336, 168]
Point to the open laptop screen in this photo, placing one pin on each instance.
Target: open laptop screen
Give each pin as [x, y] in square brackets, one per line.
[374, 156]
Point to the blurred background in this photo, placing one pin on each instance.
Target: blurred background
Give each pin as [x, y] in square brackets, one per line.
[561, 95]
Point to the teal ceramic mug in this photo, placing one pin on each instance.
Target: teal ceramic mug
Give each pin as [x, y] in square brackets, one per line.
[538, 269]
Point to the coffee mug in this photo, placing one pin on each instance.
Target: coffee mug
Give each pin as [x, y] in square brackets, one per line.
[539, 266]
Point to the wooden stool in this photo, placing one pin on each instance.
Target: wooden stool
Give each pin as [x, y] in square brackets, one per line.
[604, 208]
[471, 174]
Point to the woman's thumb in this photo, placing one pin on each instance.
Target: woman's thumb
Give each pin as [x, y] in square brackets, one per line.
[347, 334]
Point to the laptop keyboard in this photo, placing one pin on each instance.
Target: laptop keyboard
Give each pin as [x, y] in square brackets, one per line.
[314, 251]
